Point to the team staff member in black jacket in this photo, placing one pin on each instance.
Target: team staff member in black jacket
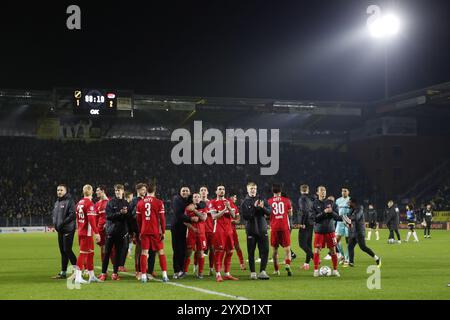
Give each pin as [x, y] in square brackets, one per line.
[372, 218]
[179, 203]
[116, 230]
[306, 219]
[427, 219]
[255, 210]
[356, 233]
[392, 221]
[324, 216]
[64, 223]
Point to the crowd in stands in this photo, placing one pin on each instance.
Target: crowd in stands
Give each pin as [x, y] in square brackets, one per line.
[441, 200]
[32, 168]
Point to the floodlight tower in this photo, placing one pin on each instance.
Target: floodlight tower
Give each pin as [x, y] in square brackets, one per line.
[384, 27]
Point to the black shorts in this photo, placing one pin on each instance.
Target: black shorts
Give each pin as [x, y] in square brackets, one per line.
[411, 226]
[372, 225]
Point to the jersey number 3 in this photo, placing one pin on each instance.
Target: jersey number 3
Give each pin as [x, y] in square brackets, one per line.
[148, 207]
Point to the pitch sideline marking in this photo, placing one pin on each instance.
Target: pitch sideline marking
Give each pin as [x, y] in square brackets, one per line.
[192, 288]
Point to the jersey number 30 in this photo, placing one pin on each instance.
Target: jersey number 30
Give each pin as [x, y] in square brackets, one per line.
[278, 207]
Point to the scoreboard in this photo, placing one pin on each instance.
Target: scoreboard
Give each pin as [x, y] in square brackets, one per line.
[94, 102]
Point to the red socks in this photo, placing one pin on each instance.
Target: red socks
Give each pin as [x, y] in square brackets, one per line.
[144, 263]
[218, 257]
[201, 263]
[275, 264]
[335, 261]
[287, 261]
[90, 261]
[316, 260]
[240, 256]
[187, 262]
[163, 262]
[81, 261]
[228, 256]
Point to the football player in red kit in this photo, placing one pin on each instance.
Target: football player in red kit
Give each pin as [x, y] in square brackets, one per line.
[234, 222]
[87, 227]
[99, 207]
[281, 209]
[222, 213]
[195, 235]
[209, 231]
[152, 225]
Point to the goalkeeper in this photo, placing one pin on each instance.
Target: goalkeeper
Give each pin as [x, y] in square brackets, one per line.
[356, 233]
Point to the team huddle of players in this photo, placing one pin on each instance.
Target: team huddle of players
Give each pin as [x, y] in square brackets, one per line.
[211, 226]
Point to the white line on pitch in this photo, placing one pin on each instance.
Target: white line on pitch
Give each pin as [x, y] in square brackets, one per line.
[191, 287]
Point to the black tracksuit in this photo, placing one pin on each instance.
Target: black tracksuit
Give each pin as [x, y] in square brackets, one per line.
[428, 217]
[179, 232]
[325, 222]
[356, 233]
[256, 229]
[392, 221]
[372, 218]
[306, 218]
[116, 231]
[64, 217]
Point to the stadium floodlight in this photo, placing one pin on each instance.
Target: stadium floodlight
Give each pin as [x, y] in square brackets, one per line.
[383, 26]
[386, 26]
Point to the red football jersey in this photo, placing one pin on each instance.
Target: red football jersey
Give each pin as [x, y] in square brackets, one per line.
[209, 223]
[100, 207]
[279, 216]
[222, 224]
[200, 225]
[87, 225]
[150, 216]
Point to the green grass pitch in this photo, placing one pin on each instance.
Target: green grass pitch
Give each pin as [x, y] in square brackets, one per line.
[409, 271]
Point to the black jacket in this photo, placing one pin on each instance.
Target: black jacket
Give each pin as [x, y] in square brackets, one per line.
[428, 215]
[392, 217]
[132, 221]
[358, 227]
[324, 222]
[179, 204]
[372, 216]
[64, 215]
[116, 222]
[255, 217]
[306, 214]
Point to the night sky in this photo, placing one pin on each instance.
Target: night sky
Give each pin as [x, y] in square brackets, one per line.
[269, 49]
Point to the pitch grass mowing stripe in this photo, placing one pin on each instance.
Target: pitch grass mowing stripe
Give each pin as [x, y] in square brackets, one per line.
[189, 287]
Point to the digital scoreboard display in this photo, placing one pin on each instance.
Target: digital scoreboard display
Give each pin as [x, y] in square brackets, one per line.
[94, 102]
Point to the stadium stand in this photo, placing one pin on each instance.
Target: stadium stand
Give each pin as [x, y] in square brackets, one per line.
[32, 169]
